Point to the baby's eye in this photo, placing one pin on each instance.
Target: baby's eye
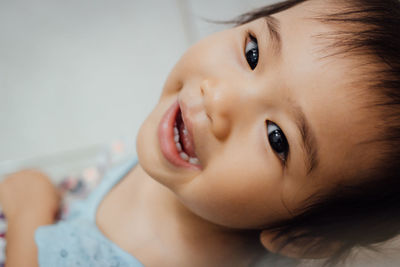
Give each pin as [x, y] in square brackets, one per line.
[251, 52]
[277, 140]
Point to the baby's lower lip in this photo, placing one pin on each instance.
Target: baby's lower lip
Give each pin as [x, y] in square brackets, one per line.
[167, 142]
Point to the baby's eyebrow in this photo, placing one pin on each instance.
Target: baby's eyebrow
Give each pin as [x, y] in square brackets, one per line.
[309, 142]
[273, 25]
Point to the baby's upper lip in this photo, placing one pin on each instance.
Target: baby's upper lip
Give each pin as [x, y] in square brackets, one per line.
[189, 126]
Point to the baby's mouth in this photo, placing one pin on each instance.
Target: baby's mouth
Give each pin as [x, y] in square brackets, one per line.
[183, 141]
[176, 140]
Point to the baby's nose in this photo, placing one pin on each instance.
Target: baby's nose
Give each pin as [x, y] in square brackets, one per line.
[220, 100]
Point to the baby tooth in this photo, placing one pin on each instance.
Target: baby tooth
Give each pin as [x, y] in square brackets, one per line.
[176, 132]
[184, 156]
[194, 160]
[176, 138]
[178, 146]
[185, 132]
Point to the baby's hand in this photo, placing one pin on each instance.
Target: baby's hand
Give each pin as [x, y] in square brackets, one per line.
[28, 192]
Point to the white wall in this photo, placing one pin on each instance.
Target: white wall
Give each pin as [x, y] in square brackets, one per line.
[75, 73]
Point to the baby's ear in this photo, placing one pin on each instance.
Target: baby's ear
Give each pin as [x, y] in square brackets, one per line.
[297, 249]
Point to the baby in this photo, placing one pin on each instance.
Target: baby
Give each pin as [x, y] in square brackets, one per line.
[287, 125]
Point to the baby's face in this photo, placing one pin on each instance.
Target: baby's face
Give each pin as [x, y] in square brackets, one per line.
[269, 121]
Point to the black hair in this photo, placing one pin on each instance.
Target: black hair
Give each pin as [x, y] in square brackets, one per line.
[367, 213]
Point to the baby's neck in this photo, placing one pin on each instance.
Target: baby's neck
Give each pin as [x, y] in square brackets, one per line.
[163, 232]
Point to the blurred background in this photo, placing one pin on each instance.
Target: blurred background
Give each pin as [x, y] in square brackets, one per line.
[75, 75]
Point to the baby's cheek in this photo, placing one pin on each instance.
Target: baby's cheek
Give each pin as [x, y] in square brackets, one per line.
[173, 84]
[234, 198]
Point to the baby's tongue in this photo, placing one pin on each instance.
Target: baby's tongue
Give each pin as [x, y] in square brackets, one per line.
[188, 146]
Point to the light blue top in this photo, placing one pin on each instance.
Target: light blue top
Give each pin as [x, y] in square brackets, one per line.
[77, 241]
